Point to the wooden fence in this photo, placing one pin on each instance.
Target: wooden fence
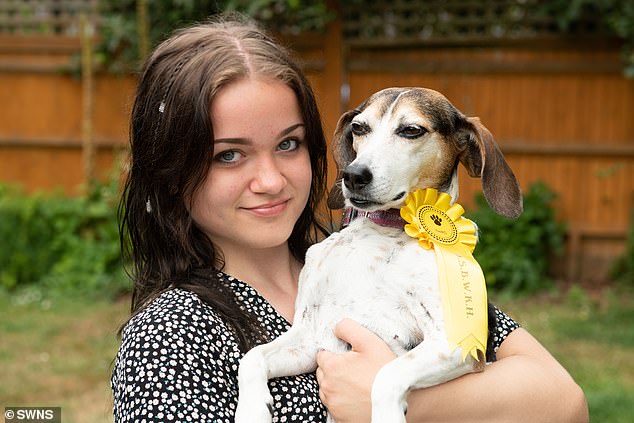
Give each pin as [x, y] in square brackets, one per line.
[560, 109]
[560, 116]
[559, 106]
[41, 114]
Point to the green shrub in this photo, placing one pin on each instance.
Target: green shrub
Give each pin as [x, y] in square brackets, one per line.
[616, 17]
[515, 254]
[623, 268]
[119, 22]
[66, 245]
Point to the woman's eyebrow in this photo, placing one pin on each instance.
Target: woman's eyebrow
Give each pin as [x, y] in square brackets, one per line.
[291, 129]
[247, 141]
[239, 141]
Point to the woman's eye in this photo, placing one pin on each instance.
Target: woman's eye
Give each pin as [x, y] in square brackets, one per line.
[288, 145]
[229, 156]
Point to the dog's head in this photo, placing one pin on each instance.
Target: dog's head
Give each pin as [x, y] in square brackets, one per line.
[401, 139]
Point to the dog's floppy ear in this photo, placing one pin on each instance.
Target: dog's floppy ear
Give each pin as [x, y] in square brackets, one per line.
[343, 154]
[482, 158]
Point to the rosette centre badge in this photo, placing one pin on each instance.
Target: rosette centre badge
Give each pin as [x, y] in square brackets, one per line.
[437, 224]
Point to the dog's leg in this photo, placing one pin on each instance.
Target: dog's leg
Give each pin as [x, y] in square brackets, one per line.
[292, 353]
[430, 363]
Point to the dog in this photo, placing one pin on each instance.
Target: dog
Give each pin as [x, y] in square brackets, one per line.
[398, 140]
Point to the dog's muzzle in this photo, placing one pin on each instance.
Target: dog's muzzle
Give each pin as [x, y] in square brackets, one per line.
[356, 179]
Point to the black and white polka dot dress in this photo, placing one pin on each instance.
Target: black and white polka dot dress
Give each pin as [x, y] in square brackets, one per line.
[178, 361]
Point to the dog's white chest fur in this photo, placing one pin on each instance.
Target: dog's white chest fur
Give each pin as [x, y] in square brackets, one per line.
[377, 276]
[381, 278]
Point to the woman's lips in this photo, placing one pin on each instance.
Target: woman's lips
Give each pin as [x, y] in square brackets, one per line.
[269, 209]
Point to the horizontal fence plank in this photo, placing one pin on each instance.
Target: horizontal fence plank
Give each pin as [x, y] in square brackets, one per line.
[56, 168]
[469, 67]
[566, 57]
[457, 41]
[526, 108]
[507, 147]
[49, 107]
[39, 68]
[561, 149]
[58, 142]
[39, 44]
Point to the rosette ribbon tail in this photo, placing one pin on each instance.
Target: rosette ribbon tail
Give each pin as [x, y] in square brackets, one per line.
[438, 225]
[463, 293]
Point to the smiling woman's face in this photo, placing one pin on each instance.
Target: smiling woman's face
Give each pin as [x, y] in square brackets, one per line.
[260, 177]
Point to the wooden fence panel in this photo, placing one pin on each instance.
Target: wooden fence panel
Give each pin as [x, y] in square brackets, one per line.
[561, 114]
[58, 168]
[47, 108]
[41, 113]
[41, 128]
[589, 113]
[558, 117]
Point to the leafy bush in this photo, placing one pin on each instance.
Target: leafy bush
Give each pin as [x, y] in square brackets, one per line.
[623, 268]
[121, 29]
[616, 15]
[61, 245]
[515, 254]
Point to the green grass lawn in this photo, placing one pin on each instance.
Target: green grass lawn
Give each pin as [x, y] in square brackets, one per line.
[593, 337]
[60, 352]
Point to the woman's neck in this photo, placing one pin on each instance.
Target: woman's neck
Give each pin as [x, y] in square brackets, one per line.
[273, 272]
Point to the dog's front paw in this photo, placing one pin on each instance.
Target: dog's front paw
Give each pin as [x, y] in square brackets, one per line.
[388, 399]
[254, 411]
[392, 413]
[255, 404]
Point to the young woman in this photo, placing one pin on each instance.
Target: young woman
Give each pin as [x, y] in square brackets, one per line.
[228, 169]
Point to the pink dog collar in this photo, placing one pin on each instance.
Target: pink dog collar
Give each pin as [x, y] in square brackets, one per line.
[390, 218]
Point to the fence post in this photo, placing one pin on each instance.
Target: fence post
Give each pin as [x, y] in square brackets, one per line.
[143, 29]
[87, 73]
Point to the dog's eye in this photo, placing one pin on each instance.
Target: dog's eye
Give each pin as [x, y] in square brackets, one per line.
[359, 128]
[412, 131]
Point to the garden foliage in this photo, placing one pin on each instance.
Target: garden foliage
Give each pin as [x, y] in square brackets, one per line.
[70, 245]
[67, 245]
[617, 16]
[120, 31]
[515, 255]
[623, 268]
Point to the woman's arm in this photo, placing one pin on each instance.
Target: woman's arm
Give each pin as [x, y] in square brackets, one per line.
[525, 384]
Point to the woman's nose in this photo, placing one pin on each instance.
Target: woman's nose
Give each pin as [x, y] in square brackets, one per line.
[268, 177]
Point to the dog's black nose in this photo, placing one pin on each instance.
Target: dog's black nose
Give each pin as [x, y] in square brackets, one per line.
[356, 177]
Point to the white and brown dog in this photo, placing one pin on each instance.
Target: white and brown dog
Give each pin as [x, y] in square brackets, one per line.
[398, 140]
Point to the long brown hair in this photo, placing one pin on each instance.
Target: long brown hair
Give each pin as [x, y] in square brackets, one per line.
[171, 152]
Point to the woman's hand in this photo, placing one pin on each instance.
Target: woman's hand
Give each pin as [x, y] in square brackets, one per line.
[525, 384]
[345, 379]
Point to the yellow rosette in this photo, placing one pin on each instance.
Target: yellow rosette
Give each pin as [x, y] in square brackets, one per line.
[438, 225]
